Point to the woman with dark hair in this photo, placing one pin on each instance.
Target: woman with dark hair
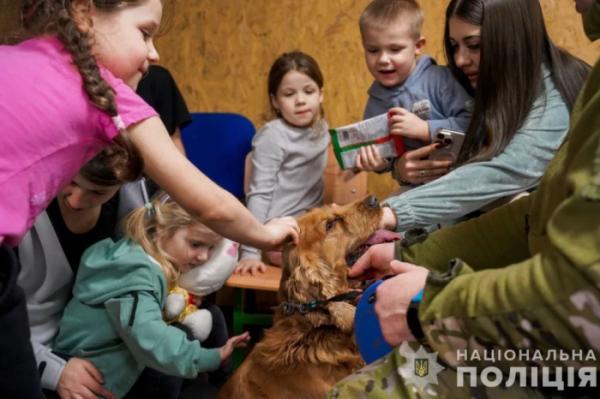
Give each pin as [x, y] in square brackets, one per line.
[524, 88]
[505, 77]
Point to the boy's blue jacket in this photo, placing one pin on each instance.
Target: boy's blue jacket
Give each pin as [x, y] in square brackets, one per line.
[115, 319]
[431, 92]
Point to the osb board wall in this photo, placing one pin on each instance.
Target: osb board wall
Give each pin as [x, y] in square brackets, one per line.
[220, 52]
[9, 15]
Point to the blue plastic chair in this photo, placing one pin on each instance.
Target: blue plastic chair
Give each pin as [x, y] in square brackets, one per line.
[217, 143]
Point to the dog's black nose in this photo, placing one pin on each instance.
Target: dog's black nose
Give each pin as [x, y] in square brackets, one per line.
[371, 202]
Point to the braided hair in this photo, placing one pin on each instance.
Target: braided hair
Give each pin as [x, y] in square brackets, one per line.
[59, 18]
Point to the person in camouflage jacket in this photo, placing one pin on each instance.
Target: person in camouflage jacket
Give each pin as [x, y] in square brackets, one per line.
[524, 278]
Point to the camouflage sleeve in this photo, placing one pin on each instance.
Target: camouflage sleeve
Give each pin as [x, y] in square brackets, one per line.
[550, 301]
[496, 238]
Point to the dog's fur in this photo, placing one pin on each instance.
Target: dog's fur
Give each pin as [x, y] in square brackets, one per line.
[303, 355]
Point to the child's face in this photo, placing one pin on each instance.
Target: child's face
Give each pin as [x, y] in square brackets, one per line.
[190, 246]
[466, 44]
[123, 39]
[298, 99]
[390, 52]
[82, 195]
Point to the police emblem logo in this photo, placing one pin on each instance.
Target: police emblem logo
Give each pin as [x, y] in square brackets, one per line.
[421, 367]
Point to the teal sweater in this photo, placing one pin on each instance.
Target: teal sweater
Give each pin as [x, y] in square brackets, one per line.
[115, 319]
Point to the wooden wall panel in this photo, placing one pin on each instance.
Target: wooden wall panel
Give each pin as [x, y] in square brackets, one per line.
[220, 52]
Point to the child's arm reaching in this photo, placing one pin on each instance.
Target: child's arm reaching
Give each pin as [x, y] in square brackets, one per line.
[238, 341]
[137, 319]
[214, 206]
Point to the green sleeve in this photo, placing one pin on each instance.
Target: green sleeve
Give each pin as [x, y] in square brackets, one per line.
[548, 301]
[156, 344]
[494, 239]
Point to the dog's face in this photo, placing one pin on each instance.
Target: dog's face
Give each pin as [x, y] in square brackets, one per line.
[317, 267]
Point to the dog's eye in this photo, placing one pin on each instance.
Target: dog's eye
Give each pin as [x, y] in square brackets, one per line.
[331, 223]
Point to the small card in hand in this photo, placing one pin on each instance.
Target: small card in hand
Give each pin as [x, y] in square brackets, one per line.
[347, 140]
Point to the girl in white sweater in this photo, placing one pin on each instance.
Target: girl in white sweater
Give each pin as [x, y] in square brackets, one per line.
[289, 153]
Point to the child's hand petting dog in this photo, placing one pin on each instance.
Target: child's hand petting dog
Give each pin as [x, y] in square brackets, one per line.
[238, 341]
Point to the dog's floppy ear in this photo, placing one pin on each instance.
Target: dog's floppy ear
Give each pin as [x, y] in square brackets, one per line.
[289, 259]
[311, 279]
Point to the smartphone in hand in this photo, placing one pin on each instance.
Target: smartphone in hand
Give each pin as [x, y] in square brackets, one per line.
[452, 141]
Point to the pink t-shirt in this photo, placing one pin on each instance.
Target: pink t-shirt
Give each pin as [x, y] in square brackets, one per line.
[49, 128]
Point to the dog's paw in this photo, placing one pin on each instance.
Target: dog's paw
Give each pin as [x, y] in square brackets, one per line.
[342, 315]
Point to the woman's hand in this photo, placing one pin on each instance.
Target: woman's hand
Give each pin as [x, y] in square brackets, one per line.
[389, 220]
[393, 298]
[369, 160]
[413, 167]
[239, 341]
[406, 124]
[280, 230]
[81, 379]
[250, 266]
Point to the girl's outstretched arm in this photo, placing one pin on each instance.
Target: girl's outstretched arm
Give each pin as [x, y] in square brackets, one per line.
[214, 206]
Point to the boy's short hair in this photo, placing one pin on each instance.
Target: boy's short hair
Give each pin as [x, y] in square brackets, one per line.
[385, 12]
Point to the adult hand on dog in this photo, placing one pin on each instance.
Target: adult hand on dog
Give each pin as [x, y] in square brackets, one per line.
[375, 263]
[81, 379]
[393, 298]
[238, 341]
[280, 230]
[250, 266]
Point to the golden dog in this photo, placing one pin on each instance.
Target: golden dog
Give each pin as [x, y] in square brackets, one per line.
[311, 344]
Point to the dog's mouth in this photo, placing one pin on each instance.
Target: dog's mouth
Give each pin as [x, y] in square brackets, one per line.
[379, 237]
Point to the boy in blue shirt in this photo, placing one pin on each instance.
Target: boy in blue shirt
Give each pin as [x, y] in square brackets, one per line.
[419, 96]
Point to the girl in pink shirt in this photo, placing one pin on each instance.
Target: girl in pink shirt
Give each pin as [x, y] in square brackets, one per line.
[67, 93]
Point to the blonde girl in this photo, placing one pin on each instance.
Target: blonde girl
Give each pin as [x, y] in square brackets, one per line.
[115, 317]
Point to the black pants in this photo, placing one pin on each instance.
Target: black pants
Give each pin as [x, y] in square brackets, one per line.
[19, 377]
[218, 337]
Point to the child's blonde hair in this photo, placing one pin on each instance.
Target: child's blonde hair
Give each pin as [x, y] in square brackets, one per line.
[385, 12]
[162, 217]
